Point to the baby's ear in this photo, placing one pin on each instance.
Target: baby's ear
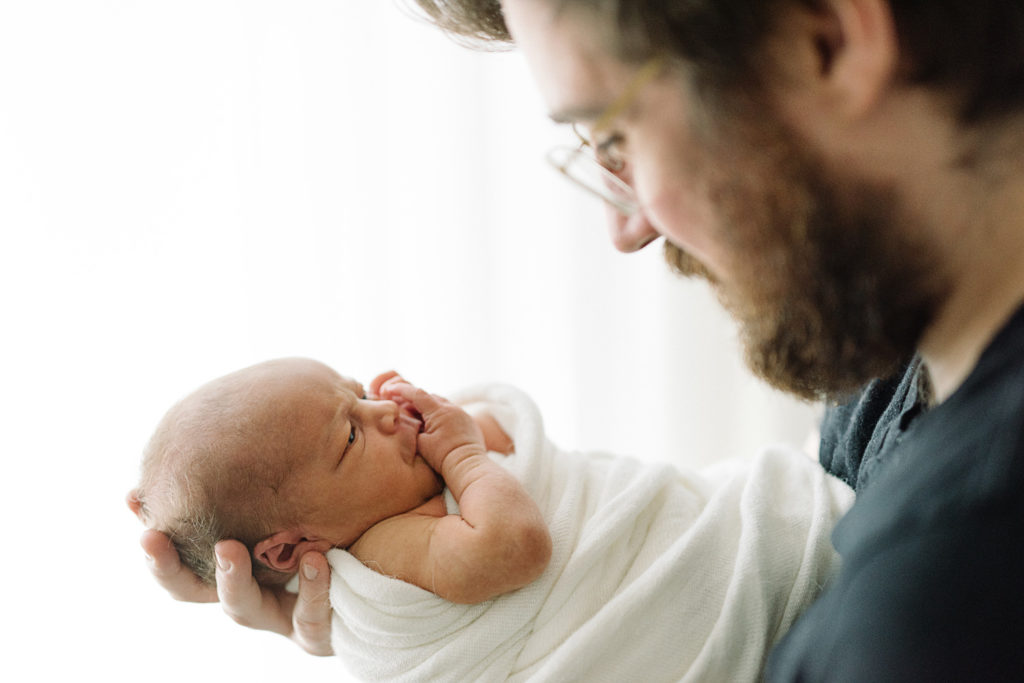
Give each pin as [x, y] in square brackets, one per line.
[283, 550]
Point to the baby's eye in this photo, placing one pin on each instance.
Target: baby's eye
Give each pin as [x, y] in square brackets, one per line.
[351, 438]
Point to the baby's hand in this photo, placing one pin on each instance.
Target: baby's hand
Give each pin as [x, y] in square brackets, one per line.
[383, 386]
[377, 383]
[449, 434]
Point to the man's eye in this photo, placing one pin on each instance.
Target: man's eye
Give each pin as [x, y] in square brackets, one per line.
[609, 152]
[609, 141]
[352, 435]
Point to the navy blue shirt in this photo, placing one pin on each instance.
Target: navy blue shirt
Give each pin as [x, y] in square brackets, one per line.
[932, 580]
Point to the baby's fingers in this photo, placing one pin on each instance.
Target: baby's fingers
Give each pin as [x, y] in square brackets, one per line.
[380, 380]
[425, 403]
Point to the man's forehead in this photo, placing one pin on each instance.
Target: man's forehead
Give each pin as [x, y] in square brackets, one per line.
[576, 76]
[583, 95]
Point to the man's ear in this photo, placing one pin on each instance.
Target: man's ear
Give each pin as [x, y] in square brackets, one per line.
[283, 550]
[858, 52]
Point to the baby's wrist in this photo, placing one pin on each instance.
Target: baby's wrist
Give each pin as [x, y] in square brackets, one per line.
[459, 458]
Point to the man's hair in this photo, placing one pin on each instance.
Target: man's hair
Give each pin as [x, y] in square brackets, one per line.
[203, 481]
[972, 49]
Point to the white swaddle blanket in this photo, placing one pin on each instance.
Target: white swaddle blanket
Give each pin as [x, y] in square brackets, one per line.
[656, 574]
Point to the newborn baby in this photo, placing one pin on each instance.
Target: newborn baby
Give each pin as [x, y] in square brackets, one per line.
[289, 456]
[472, 548]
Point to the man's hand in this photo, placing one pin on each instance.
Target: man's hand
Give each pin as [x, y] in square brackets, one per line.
[305, 618]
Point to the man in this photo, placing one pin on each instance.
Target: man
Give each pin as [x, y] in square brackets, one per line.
[847, 175]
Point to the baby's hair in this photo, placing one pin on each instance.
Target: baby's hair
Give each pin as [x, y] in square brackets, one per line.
[194, 533]
[202, 480]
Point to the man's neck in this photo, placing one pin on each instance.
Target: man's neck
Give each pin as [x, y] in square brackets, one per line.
[988, 287]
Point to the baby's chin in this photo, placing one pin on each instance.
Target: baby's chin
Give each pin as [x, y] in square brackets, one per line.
[438, 483]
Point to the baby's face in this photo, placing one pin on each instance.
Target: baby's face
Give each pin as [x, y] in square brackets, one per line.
[355, 460]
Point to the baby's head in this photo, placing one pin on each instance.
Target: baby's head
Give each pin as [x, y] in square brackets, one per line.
[286, 456]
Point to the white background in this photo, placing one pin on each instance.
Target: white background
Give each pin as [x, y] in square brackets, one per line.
[189, 187]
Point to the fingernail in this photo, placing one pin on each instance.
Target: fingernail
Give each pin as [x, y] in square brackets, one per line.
[223, 564]
[149, 559]
[310, 571]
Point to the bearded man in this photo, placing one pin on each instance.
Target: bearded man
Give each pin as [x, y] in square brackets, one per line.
[847, 174]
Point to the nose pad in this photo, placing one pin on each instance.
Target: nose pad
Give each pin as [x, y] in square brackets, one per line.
[629, 233]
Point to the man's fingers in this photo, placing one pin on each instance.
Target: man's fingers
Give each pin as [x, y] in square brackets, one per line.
[312, 616]
[242, 598]
[305, 618]
[167, 569]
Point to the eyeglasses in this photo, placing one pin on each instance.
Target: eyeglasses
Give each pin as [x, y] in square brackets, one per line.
[594, 166]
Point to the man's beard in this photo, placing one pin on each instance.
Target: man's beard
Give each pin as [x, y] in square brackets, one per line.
[829, 281]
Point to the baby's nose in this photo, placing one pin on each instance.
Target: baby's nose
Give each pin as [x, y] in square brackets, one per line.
[384, 414]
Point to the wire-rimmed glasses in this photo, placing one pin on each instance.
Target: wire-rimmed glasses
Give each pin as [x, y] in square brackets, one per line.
[593, 169]
[579, 165]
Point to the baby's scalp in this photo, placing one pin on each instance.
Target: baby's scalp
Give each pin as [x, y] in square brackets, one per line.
[212, 468]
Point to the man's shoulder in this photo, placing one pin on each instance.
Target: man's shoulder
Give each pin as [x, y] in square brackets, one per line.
[857, 434]
[974, 440]
[933, 548]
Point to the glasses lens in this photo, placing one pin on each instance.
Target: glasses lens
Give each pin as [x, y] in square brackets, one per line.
[588, 173]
